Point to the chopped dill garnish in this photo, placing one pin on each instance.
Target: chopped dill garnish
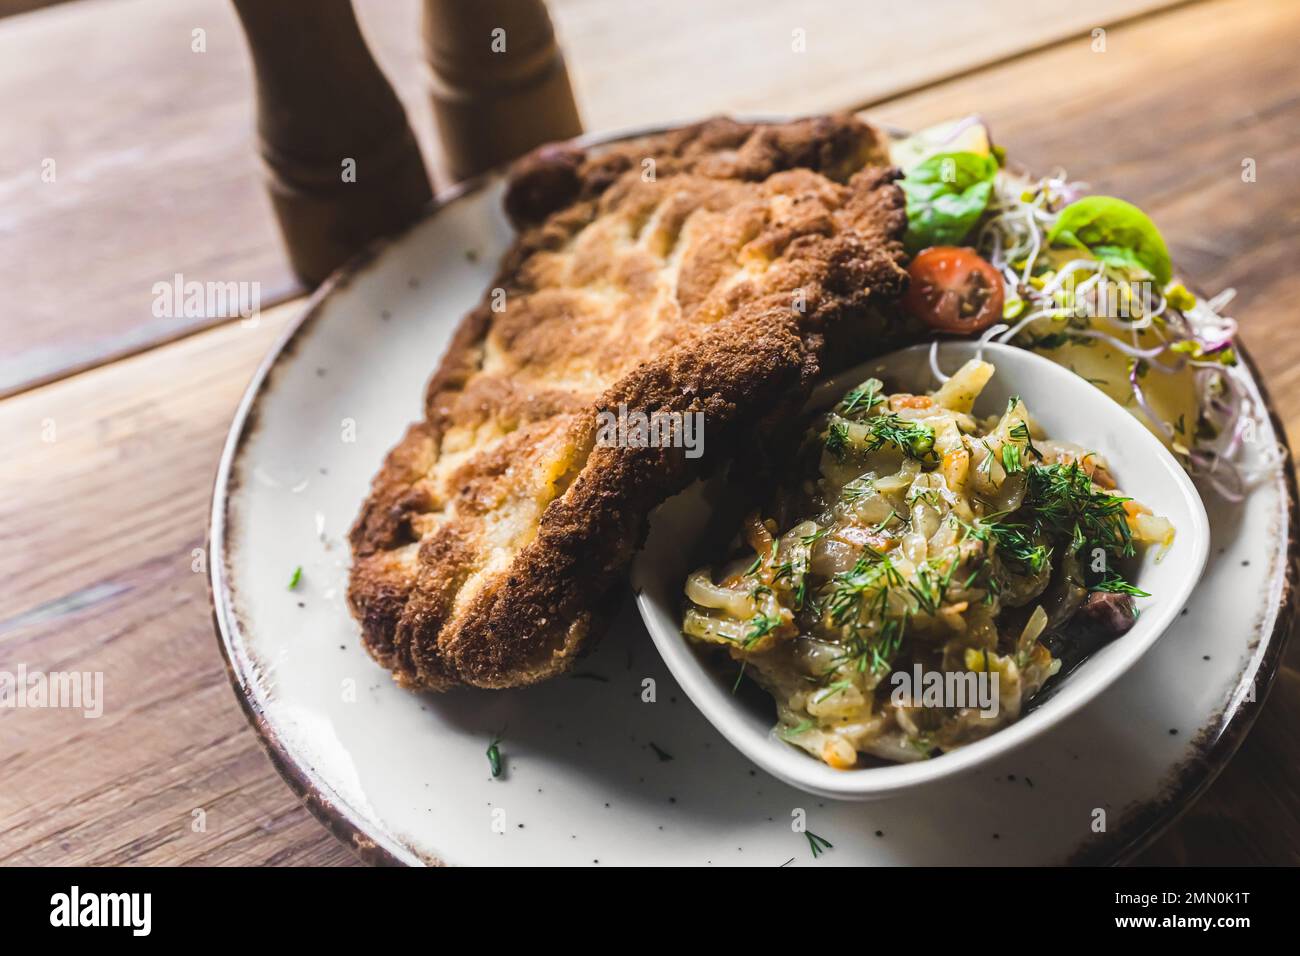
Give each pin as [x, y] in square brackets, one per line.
[885, 521]
[1114, 584]
[1020, 432]
[761, 625]
[1015, 544]
[930, 586]
[871, 576]
[1011, 459]
[837, 440]
[494, 754]
[855, 489]
[911, 438]
[862, 399]
[818, 845]
[1062, 502]
[297, 577]
[815, 536]
[789, 732]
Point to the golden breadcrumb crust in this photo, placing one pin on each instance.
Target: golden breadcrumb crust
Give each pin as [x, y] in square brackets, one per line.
[710, 269]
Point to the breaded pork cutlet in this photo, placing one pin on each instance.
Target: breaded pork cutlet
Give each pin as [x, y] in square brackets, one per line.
[710, 269]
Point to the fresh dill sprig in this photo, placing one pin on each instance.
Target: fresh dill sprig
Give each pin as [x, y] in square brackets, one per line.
[1020, 432]
[1115, 584]
[790, 732]
[855, 489]
[832, 689]
[494, 754]
[930, 586]
[760, 625]
[911, 438]
[837, 440]
[1015, 544]
[818, 845]
[1062, 502]
[1011, 458]
[862, 399]
[870, 578]
[811, 539]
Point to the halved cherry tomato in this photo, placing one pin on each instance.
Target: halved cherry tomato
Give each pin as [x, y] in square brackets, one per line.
[954, 290]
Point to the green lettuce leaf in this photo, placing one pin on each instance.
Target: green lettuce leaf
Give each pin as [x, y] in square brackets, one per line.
[946, 195]
[1116, 232]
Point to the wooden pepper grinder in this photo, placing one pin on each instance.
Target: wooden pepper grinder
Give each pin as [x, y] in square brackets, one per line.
[343, 166]
[498, 81]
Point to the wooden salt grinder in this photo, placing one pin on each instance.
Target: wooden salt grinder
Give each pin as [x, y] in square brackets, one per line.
[343, 166]
[498, 81]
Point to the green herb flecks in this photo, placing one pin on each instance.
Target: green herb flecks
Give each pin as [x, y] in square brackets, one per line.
[1114, 584]
[760, 625]
[911, 438]
[1020, 432]
[296, 579]
[1015, 545]
[862, 399]
[837, 440]
[790, 733]
[1062, 502]
[494, 755]
[1011, 459]
[818, 845]
[856, 489]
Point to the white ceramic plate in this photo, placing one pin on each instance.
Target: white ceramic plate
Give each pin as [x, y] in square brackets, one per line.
[404, 777]
[1068, 408]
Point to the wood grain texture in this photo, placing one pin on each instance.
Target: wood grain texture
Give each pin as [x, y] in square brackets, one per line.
[156, 170]
[99, 526]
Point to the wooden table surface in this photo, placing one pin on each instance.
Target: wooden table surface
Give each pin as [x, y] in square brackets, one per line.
[113, 419]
